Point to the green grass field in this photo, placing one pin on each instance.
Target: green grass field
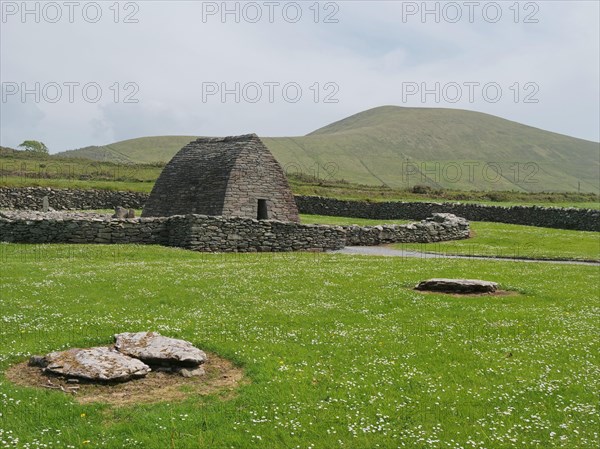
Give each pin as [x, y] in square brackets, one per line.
[339, 350]
[131, 186]
[22, 169]
[506, 240]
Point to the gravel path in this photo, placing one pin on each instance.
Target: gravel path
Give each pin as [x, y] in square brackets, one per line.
[391, 252]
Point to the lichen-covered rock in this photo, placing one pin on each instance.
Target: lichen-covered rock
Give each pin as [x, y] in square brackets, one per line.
[457, 286]
[153, 348]
[97, 364]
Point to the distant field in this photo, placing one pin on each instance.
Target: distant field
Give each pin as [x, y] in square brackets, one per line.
[298, 189]
[12, 181]
[349, 191]
[25, 171]
[20, 169]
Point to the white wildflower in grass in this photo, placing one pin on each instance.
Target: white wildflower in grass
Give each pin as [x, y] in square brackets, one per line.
[339, 350]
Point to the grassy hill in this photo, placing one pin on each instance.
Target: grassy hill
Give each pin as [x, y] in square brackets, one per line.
[400, 147]
[140, 150]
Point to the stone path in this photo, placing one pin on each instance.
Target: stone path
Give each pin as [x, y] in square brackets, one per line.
[391, 252]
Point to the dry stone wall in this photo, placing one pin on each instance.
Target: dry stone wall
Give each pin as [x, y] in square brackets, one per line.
[216, 234]
[549, 217]
[61, 227]
[31, 198]
[439, 228]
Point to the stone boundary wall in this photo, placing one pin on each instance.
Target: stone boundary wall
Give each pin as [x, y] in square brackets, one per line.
[217, 234]
[30, 198]
[548, 217]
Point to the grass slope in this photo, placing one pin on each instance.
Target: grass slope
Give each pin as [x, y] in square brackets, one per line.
[23, 169]
[375, 147]
[141, 150]
[340, 351]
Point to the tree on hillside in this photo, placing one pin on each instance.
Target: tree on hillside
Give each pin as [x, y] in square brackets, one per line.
[34, 146]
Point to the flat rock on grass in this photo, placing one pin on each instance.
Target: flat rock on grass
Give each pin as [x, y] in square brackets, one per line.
[462, 286]
[154, 349]
[97, 364]
[221, 379]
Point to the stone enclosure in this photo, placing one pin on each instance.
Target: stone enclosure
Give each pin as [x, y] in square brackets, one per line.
[218, 234]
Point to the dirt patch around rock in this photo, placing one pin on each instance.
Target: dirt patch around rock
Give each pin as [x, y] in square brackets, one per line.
[222, 378]
[467, 295]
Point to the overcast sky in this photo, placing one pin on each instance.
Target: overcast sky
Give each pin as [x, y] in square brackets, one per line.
[84, 73]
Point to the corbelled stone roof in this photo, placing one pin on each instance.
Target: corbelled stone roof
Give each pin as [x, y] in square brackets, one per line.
[222, 176]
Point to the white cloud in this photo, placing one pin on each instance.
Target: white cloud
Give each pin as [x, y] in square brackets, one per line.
[170, 53]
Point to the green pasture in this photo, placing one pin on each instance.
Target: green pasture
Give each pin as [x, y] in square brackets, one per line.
[339, 351]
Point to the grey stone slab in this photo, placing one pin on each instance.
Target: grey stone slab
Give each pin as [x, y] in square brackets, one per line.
[153, 348]
[97, 364]
[457, 286]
